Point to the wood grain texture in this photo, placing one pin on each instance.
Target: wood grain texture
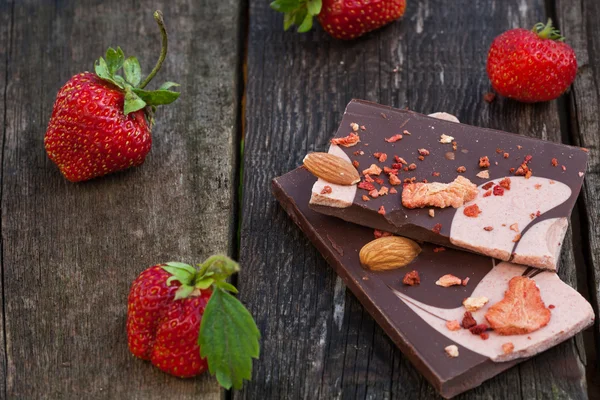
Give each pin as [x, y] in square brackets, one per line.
[70, 251]
[578, 21]
[318, 342]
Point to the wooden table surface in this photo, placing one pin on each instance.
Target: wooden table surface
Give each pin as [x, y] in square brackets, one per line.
[254, 101]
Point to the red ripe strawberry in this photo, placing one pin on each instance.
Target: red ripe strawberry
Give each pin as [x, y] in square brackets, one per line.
[342, 19]
[184, 320]
[101, 122]
[531, 66]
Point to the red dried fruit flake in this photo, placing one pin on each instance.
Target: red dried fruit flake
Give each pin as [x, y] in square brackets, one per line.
[326, 190]
[388, 170]
[394, 180]
[484, 335]
[563, 167]
[537, 186]
[368, 178]
[412, 167]
[379, 181]
[508, 348]
[521, 311]
[538, 213]
[489, 97]
[517, 238]
[379, 234]
[478, 329]
[382, 157]
[366, 186]
[393, 190]
[499, 150]
[487, 194]
[528, 158]
[410, 180]
[394, 138]
[406, 132]
[519, 147]
[359, 153]
[411, 278]
[468, 321]
[484, 162]
[397, 166]
[514, 227]
[442, 195]
[400, 160]
[506, 155]
[383, 191]
[465, 281]
[487, 185]
[498, 191]
[453, 325]
[551, 306]
[355, 164]
[437, 228]
[505, 183]
[365, 197]
[354, 126]
[405, 169]
[421, 158]
[511, 170]
[374, 193]
[488, 228]
[362, 128]
[348, 141]
[423, 152]
[435, 174]
[448, 280]
[381, 210]
[372, 170]
[554, 162]
[439, 249]
[472, 211]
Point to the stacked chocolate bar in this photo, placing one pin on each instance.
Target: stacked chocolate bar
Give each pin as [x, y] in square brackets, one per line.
[401, 204]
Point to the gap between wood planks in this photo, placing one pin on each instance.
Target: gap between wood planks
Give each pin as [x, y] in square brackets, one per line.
[5, 94]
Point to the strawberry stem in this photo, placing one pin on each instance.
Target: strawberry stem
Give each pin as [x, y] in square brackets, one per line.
[158, 17]
[547, 31]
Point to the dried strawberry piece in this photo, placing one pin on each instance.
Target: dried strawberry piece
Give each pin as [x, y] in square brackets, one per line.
[551, 306]
[355, 164]
[436, 194]
[348, 141]
[372, 170]
[368, 178]
[487, 194]
[521, 311]
[379, 181]
[453, 325]
[484, 335]
[488, 228]
[528, 158]
[435, 173]
[365, 197]
[468, 321]
[388, 170]
[478, 329]
[472, 211]
[498, 150]
[506, 155]
[465, 281]
[411, 278]
[484, 162]
[381, 210]
[498, 191]
[505, 183]
[394, 180]
[412, 167]
[379, 234]
[437, 228]
[380, 156]
[366, 186]
[394, 138]
[421, 158]
[487, 185]
[423, 152]
[397, 166]
[393, 190]
[461, 169]
[374, 193]
[517, 238]
[359, 153]
[508, 348]
[400, 160]
[448, 280]
[326, 190]
[537, 186]
[554, 162]
[563, 167]
[405, 169]
[383, 191]
[511, 170]
[439, 249]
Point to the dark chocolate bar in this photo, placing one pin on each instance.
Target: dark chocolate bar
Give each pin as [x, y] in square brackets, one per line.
[511, 198]
[415, 316]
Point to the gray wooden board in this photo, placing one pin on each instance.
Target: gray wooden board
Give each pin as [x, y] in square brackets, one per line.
[318, 342]
[579, 23]
[70, 251]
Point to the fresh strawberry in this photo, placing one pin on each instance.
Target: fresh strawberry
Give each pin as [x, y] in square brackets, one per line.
[342, 19]
[101, 122]
[531, 66]
[184, 320]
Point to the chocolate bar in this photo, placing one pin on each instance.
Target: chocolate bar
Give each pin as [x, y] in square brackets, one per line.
[431, 178]
[416, 317]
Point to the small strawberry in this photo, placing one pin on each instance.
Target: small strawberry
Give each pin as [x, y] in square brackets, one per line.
[342, 19]
[185, 320]
[531, 66]
[101, 122]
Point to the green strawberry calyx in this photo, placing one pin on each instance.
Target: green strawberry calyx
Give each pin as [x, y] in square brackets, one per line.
[298, 12]
[228, 336]
[136, 98]
[547, 31]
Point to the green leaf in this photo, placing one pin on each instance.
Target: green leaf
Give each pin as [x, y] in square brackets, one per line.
[179, 274]
[133, 102]
[101, 69]
[300, 16]
[181, 265]
[307, 24]
[288, 20]
[114, 59]
[133, 71]
[119, 79]
[183, 292]
[226, 286]
[314, 7]
[285, 5]
[156, 97]
[228, 339]
[168, 85]
[221, 267]
[205, 283]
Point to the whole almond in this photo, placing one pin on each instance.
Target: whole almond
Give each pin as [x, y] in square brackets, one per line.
[331, 168]
[389, 252]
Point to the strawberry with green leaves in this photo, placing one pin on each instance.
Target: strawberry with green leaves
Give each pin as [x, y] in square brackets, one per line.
[531, 66]
[101, 121]
[342, 19]
[185, 321]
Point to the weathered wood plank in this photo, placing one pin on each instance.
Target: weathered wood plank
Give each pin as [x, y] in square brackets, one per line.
[319, 341]
[72, 250]
[579, 23]
[6, 12]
